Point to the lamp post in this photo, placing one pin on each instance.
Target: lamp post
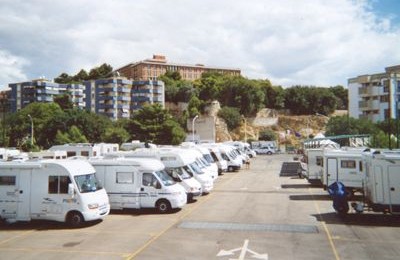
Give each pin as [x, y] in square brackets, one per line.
[31, 129]
[245, 128]
[194, 119]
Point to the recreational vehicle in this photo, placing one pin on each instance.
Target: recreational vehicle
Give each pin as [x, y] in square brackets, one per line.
[139, 183]
[346, 166]
[382, 183]
[315, 167]
[59, 190]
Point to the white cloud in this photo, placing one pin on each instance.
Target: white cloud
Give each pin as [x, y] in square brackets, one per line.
[313, 42]
[12, 69]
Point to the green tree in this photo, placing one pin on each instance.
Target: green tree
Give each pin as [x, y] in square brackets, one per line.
[81, 76]
[267, 135]
[154, 124]
[73, 135]
[103, 71]
[231, 116]
[41, 114]
[64, 101]
[63, 78]
[342, 96]
[209, 86]
[116, 135]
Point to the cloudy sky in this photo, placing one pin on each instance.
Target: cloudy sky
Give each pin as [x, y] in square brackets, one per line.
[290, 42]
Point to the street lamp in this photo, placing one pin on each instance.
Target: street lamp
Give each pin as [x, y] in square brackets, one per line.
[245, 128]
[194, 119]
[31, 129]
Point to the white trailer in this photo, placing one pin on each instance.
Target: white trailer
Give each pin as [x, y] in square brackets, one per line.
[59, 190]
[139, 183]
[382, 183]
[315, 165]
[346, 166]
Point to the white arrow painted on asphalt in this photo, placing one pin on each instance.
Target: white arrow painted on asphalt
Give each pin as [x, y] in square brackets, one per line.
[243, 250]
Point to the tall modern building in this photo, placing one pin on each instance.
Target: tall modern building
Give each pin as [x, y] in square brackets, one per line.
[119, 97]
[151, 69]
[375, 97]
[42, 90]
[115, 97]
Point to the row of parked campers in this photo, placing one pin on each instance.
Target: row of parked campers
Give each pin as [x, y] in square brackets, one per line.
[373, 173]
[80, 189]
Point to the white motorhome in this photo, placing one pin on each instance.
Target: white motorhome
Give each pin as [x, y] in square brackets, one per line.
[235, 163]
[177, 164]
[47, 155]
[59, 190]
[382, 182]
[217, 157]
[344, 165]
[86, 149]
[139, 183]
[314, 158]
[207, 168]
[207, 158]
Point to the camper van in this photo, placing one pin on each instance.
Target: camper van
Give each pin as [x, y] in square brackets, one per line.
[314, 158]
[177, 164]
[382, 182]
[139, 183]
[234, 162]
[215, 153]
[346, 166]
[59, 190]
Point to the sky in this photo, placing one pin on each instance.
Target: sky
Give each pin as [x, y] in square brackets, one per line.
[290, 42]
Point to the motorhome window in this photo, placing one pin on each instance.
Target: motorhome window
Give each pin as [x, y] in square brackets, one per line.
[87, 183]
[348, 164]
[209, 158]
[149, 180]
[168, 158]
[195, 168]
[320, 161]
[165, 178]
[125, 177]
[70, 154]
[85, 153]
[214, 156]
[225, 157]
[58, 184]
[7, 180]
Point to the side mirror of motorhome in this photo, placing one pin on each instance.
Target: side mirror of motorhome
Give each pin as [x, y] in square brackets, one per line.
[158, 185]
[71, 189]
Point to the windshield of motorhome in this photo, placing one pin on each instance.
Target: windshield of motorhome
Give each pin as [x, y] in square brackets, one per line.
[165, 178]
[87, 183]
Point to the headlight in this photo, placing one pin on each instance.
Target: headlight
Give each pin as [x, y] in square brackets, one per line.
[93, 206]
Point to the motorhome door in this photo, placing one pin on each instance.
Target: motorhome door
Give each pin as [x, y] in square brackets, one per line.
[23, 194]
[394, 186]
[149, 191]
[331, 171]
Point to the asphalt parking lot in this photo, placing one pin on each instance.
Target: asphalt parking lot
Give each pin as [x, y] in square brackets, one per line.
[250, 214]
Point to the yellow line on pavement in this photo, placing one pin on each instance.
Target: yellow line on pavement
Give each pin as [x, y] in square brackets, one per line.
[208, 197]
[328, 234]
[18, 236]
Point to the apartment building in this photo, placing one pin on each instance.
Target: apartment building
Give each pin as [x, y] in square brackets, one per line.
[151, 69]
[115, 97]
[375, 97]
[42, 90]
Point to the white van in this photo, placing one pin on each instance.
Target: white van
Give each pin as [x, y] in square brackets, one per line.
[139, 183]
[234, 162]
[207, 159]
[346, 166]
[59, 190]
[217, 157]
[207, 168]
[194, 185]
